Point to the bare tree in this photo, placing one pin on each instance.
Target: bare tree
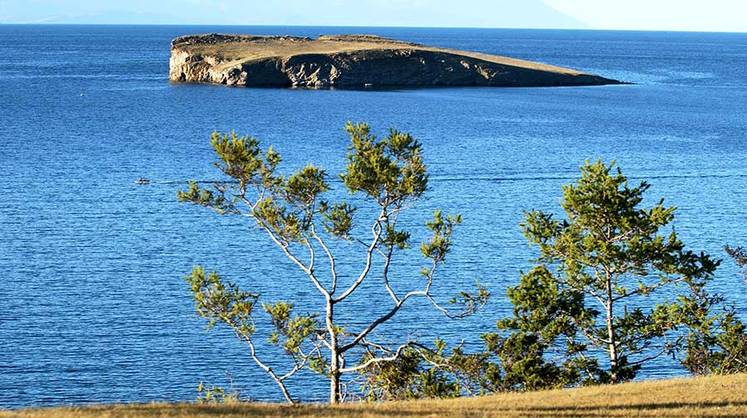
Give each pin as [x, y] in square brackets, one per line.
[389, 173]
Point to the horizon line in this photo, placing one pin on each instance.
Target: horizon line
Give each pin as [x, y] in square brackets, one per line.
[373, 26]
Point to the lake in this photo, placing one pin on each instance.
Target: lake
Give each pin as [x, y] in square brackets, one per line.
[93, 306]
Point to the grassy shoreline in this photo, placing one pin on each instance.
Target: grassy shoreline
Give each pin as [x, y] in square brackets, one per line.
[724, 396]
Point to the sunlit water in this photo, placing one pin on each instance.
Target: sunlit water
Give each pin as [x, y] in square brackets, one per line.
[92, 304]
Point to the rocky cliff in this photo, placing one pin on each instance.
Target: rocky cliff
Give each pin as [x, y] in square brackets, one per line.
[352, 61]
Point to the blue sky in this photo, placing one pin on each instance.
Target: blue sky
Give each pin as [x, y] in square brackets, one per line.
[711, 15]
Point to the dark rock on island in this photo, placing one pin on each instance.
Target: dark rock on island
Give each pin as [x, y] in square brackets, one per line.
[353, 61]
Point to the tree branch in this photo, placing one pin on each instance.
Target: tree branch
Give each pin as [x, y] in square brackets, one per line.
[253, 353]
[385, 274]
[375, 360]
[648, 289]
[380, 321]
[376, 229]
[330, 257]
[284, 247]
[278, 380]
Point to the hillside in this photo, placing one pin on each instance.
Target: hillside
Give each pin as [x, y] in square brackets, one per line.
[723, 396]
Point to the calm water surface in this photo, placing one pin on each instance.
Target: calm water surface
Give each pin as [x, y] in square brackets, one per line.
[92, 305]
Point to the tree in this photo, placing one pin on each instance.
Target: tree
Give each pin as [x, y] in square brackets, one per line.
[598, 269]
[391, 175]
[423, 372]
[548, 315]
[716, 337]
[419, 372]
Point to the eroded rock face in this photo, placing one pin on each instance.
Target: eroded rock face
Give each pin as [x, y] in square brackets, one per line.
[356, 61]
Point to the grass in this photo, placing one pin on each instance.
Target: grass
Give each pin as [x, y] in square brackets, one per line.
[713, 396]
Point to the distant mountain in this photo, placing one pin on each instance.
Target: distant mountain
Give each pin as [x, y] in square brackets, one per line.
[434, 13]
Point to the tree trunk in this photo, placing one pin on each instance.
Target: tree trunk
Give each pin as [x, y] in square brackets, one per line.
[612, 348]
[334, 382]
[334, 361]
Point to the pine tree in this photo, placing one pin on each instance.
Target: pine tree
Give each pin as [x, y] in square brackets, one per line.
[607, 280]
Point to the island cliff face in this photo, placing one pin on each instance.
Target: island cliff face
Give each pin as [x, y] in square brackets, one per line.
[352, 61]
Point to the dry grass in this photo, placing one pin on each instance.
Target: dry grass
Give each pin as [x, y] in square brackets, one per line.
[722, 396]
[232, 52]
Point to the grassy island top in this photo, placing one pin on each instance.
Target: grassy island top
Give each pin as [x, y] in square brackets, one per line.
[242, 48]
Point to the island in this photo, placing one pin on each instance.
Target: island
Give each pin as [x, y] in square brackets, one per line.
[353, 61]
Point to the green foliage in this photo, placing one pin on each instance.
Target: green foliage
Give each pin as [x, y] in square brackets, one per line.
[216, 395]
[546, 315]
[440, 243]
[475, 373]
[595, 269]
[290, 331]
[409, 377]
[284, 205]
[206, 197]
[390, 170]
[217, 301]
[739, 255]
[240, 159]
[716, 338]
[303, 187]
[470, 302]
[338, 219]
[221, 302]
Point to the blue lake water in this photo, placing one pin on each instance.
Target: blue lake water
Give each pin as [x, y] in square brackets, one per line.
[92, 304]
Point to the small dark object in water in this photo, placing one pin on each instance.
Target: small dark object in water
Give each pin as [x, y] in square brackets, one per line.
[142, 180]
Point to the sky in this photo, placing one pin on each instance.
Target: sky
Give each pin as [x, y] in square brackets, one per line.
[687, 15]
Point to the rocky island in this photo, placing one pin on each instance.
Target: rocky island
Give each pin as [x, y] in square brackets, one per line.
[353, 61]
